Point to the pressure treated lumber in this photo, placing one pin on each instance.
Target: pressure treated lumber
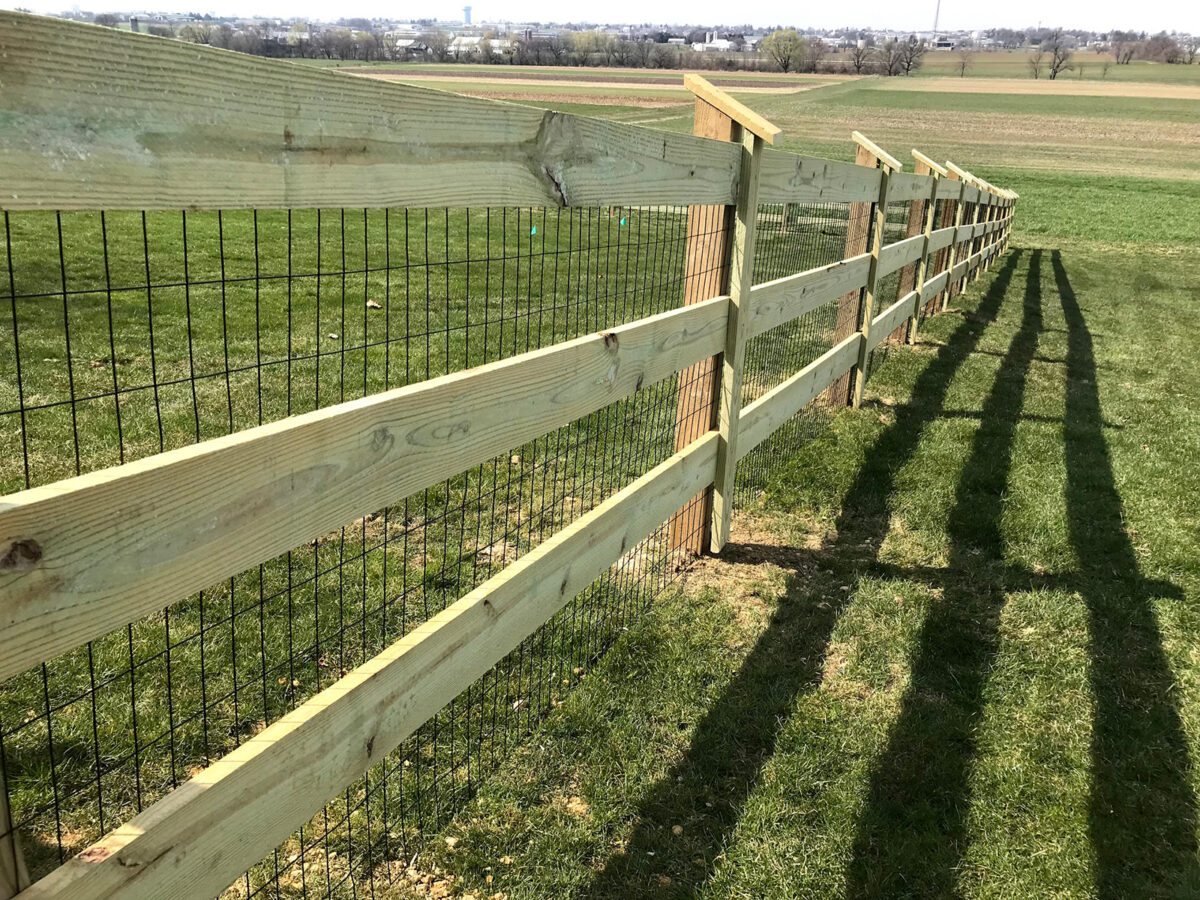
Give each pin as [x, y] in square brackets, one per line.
[769, 412]
[885, 159]
[889, 320]
[907, 186]
[733, 360]
[736, 110]
[870, 293]
[777, 302]
[788, 178]
[901, 253]
[105, 548]
[96, 118]
[858, 231]
[706, 275]
[941, 238]
[197, 839]
[14, 876]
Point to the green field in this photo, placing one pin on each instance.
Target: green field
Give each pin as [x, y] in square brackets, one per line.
[954, 650]
[951, 652]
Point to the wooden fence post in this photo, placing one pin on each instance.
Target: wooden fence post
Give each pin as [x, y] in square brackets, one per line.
[924, 166]
[849, 311]
[733, 360]
[14, 876]
[712, 254]
[953, 288]
[952, 216]
[887, 165]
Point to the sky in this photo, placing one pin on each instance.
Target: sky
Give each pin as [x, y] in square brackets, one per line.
[1097, 15]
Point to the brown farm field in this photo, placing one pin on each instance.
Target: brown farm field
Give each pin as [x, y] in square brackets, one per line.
[1110, 127]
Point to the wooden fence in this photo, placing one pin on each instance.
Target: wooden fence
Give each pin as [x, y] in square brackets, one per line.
[94, 119]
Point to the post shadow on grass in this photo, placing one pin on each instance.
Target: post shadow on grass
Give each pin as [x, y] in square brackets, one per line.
[706, 791]
[1142, 816]
[911, 835]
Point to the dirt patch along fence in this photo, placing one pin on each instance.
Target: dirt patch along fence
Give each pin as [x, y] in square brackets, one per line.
[346, 424]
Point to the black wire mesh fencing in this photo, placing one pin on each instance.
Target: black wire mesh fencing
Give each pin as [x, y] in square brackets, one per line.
[792, 238]
[132, 333]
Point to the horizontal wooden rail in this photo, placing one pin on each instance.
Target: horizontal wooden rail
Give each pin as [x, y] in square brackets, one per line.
[94, 118]
[906, 187]
[196, 840]
[111, 546]
[936, 284]
[788, 178]
[941, 238]
[766, 414]
[890, 319]
[774, 303]
[948, 189]
[899, 254]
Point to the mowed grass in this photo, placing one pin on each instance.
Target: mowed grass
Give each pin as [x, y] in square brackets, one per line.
[129, 335]
[954, 648]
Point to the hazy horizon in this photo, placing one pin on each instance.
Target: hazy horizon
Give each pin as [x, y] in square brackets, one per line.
[956, 15]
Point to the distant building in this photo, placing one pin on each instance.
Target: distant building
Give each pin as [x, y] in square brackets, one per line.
[712, 42]
[466, 15]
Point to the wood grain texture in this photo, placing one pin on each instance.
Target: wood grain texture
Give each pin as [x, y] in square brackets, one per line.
[935, 284]
[876, 151]
[788, 178]
[770, 411]
[14, 876]
[861, 371]
[907, 186]
[858, 231]
[774, 303]
[120, 543]
[706, 275]
[735, 110]
[941, 238]
[201, 836]
[889, 320]
[741, 280]
[916, 275]
[901, 253]
[95, 118]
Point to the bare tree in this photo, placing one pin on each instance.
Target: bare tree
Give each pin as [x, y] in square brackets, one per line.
[1060, 55]
[860, 58]
[888, 57]
[912, 54]
[1190, 50]
[815, 50]
[558, 48]
[964, 59]
[1104, 67]
[1037, 59]
[108, 20]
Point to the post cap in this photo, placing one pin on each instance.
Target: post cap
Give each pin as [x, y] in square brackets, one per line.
[878, 152]
[735, 109]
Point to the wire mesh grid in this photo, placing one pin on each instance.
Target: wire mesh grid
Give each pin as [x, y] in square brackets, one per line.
[133, 333]
[792, 238]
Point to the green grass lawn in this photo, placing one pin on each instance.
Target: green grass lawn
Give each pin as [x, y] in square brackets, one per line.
[129, 335]
[953, 650]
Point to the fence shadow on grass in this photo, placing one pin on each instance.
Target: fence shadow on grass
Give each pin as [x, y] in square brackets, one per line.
[912, 833]
[709, 787]
[1143, 813]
